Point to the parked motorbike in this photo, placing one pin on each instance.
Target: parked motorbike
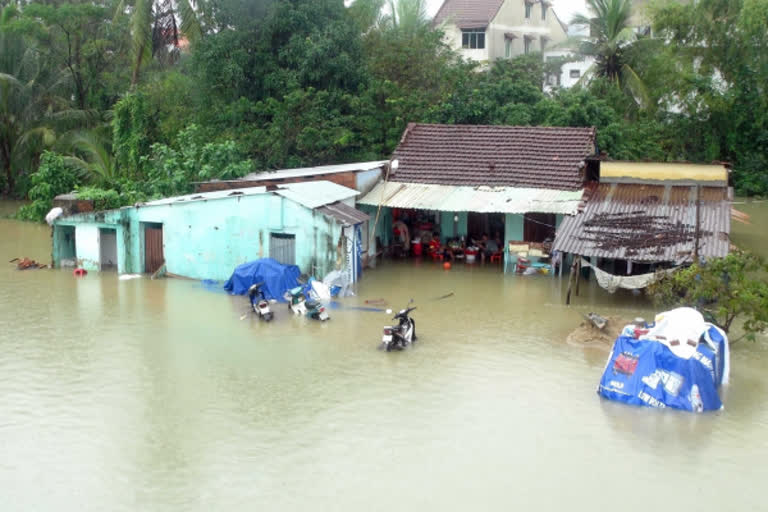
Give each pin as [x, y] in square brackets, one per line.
[300, 305]
[399, 336]
[259, 303]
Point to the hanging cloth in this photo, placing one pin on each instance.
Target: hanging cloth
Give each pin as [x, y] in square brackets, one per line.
[611, 282]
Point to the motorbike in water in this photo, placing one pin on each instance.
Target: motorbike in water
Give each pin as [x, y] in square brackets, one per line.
[398, 337]
[300, 305]
[259, 303]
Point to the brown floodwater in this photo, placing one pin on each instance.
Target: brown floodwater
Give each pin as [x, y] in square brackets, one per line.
[156, 396]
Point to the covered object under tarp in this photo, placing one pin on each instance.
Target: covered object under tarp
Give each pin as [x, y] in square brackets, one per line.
[277, 278]
[680, 362]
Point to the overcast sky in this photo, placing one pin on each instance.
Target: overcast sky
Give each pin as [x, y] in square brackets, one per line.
[565, 9]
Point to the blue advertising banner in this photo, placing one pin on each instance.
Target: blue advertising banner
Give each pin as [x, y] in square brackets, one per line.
[646, 372]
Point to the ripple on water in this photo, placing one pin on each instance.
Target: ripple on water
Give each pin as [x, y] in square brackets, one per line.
[154, 395]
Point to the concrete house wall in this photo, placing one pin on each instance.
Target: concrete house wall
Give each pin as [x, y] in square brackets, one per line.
[510, 19]
[203, 239]
[207, 239]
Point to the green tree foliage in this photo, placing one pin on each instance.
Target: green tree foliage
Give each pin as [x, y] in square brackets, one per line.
[53, 177]
[31, 105]
[80, 39]
[154, 27]
[613, 44]
[720, 48]
[172, 170]
[724, 289]
[303, 82]
[133, 130]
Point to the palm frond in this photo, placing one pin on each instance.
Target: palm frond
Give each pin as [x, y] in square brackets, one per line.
[190, 23]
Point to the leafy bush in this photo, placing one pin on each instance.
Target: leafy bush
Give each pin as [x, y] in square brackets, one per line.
[723, 289]
[102, 199]
[172, 171]
[53, 177]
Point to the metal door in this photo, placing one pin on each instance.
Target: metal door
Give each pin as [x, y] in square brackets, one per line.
[153, 248]
[282, 248]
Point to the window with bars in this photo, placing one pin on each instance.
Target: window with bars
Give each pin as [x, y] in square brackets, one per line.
[473, 39]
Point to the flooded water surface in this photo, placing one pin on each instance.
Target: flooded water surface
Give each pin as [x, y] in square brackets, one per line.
[158, 396]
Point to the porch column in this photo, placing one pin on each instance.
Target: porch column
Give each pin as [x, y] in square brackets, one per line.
[513, 231]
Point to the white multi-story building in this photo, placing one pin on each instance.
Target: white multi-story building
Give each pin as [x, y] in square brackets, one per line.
[487, 30]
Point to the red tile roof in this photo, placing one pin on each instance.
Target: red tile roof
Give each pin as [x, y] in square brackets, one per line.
[468, 13]
[517, 156]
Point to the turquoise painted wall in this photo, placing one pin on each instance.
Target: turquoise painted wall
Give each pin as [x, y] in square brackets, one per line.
[87, 239]
[447, 225]
[207, 239]
[384, 227]
[449, 228]
[513, 230]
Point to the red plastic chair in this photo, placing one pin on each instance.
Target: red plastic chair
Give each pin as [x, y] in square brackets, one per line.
[496, 257]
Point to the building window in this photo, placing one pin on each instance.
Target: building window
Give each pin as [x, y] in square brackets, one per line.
[473, 39]
[543, 11]
[528, 10]
[527, 43]
[575, 73]
[507, 48]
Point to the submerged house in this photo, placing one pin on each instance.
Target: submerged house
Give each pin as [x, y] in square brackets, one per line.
[642, 216]
[466, 180]
[206, 235]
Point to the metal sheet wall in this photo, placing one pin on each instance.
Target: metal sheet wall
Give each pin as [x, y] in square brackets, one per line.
[282, 248]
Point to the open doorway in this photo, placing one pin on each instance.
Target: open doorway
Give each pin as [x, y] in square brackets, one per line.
[539, 227]
[107, 249]
[491, 224]
[65, 236]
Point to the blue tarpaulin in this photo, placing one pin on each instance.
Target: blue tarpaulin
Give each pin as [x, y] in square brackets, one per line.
[277, 278]
[646, 372]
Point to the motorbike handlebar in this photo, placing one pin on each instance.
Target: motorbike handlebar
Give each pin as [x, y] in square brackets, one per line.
[404, 312]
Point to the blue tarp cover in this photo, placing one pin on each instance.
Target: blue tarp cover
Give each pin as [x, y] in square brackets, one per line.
[277, 278]
[645, 372]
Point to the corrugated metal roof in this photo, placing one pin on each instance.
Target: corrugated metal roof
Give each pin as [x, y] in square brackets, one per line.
[679, 173]
[309, 171]
[648, 223]
[450, 198]
[344, 214]
[314, 194]
[310, 194]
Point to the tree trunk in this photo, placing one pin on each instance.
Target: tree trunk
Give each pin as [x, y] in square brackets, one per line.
[6, 160]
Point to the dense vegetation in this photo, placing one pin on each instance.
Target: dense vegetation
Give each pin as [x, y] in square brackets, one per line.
[723, 289]
[134, 99]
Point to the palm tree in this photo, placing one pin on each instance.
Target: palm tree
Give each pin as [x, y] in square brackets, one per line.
[32, 106]
[401, 15]
[408, 15]
[611, 41]
[154, 27]
[93, 157]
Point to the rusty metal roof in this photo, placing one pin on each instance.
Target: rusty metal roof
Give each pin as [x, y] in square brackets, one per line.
[344, 214]
[647, 223]
[484, 199]
[673, 173]
[512, 156]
